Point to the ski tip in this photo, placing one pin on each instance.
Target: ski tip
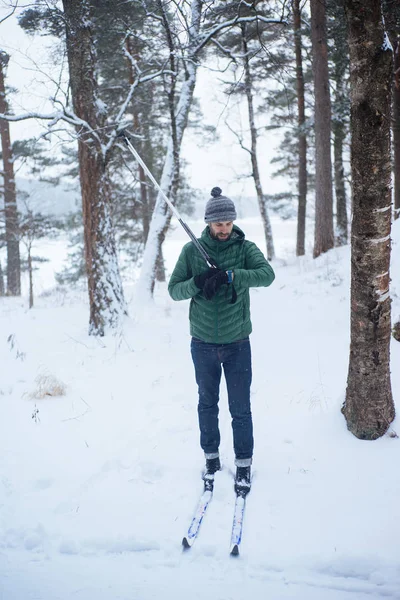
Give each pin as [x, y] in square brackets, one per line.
[235, 550]
[185, 543]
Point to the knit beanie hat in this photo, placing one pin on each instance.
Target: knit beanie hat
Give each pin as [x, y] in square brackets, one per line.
[219, 208]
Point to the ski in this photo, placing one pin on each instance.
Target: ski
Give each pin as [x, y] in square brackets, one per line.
[237, 524]
[194, 528]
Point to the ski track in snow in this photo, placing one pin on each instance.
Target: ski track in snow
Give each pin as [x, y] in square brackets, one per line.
[98, 487]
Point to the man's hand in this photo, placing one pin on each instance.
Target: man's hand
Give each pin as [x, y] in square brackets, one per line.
[202, 277]
[214, 283]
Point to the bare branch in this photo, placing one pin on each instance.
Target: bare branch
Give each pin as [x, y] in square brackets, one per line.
[13, 9]
[238, 137]
[231, 23]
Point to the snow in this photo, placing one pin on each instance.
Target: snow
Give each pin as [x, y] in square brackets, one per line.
[99, 484]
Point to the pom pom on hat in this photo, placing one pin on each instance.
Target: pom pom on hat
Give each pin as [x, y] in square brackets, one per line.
[219, 208]
[215, 192]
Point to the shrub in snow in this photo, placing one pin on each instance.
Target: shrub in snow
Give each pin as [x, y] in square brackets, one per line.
[48, 385]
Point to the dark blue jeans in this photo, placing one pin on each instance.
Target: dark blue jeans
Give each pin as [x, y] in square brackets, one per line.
[236, 361]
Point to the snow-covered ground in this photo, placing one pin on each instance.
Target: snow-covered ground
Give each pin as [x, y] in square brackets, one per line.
[98, 486]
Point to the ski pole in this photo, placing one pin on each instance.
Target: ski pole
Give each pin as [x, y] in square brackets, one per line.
[205, 255]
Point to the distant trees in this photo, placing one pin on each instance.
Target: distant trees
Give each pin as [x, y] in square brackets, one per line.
[34, 226]
[369, 407]
[309, 102]
[186, 51]
[338, 52]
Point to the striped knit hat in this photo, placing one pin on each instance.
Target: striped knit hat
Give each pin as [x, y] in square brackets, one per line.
[219, 208]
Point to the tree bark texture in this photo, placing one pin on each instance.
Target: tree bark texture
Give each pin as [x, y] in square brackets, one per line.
[302, 136]
[253, 152]
[10, 194]
[323, 234]
[106, 297]
[368, 406]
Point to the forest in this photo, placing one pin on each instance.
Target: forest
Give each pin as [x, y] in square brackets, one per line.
[297, 104]
[324, 75]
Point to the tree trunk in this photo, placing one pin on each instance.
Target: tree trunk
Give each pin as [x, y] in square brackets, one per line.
[339, 136]
[368, 406]
[30, 273]
[2, 289]
[161, 217]
[10, 194]
[302, 145]
[253, 152]
[323, 235]
[106, 297]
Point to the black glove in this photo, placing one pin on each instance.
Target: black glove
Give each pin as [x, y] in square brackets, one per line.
[202, 277]
[214, 283]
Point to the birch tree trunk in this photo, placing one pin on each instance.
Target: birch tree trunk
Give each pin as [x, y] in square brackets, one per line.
[368, 406]
[323, 235]
[302, 145]
[106, 297]
[161, 217]
[10, 194]
[253, 152]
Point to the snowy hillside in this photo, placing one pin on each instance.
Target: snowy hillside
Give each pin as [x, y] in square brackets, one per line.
[98, 484]
[47, 199]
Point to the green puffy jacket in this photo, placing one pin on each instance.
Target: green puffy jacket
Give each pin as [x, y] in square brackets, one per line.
[218, 321]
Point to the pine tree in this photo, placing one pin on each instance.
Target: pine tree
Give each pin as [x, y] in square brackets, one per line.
[302, 134]
[323, 233]
[106, 297]
[10, 194]
[248, 48]
[290, 104]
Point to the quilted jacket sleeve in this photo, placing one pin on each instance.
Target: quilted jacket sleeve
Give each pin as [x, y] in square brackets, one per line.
[181, 284]
[258, 271]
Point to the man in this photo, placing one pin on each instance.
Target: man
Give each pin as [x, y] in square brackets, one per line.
[220, 326]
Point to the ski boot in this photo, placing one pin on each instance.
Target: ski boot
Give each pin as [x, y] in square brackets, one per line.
[212, 466]
[243, 481]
